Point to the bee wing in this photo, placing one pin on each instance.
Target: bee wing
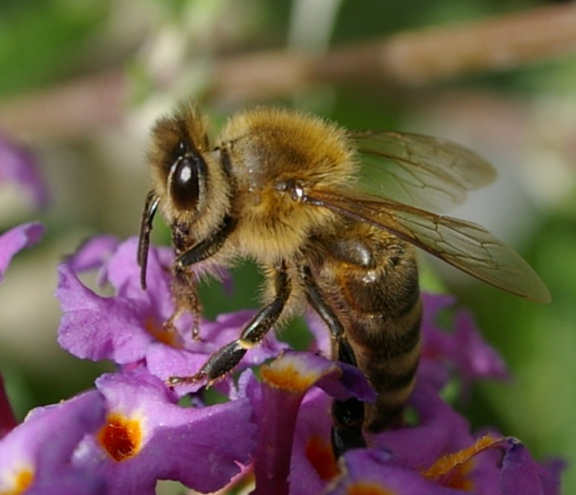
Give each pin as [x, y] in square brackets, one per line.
[465, 245]
[422, 171]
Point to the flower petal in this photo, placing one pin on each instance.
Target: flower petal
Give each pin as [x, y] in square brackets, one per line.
[18, 165]
[40, 448]
[16, 239]
[200, 447]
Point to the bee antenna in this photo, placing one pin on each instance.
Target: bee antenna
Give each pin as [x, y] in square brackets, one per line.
[150, 208]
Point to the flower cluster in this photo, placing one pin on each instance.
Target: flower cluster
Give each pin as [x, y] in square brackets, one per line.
[270, 434]
[133, 430]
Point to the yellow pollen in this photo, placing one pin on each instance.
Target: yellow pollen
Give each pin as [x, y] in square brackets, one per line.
[460, 479]
[22, 481]
[364, 488]
[320, 454]
[121, 437]
[285, 376]
[454, 468]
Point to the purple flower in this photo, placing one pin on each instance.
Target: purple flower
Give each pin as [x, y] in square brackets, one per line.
[129, 327]
[16, 239]
[147, 436]
[277, 401]
[369, 472]
[11, 242]
[521, 474]
[491, 465]
[35, 456]
[18, 165]
[461, 350]
[118, 328]
[440, 429]
[282, 422]
[313, 462]
[438, 455]
[93, 255]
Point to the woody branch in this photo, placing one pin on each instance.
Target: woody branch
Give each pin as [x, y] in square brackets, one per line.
[413, 58]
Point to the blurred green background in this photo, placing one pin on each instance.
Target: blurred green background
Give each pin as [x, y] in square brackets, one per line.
[81, 82]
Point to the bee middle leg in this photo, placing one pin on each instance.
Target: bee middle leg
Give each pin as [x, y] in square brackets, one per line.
[225, 359]
[348, 415]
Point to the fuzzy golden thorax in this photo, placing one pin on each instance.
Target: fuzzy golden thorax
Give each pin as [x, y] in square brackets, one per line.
[269, 149]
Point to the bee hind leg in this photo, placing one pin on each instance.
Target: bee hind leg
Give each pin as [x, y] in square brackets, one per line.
[348, 415]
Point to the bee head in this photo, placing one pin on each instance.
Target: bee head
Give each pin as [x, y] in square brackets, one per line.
[189, 184]
[178, 158]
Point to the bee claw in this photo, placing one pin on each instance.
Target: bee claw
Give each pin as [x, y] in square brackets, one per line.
[182, 380]
[196, 330]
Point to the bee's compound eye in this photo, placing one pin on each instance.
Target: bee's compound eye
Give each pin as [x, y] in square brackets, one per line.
[184, 183]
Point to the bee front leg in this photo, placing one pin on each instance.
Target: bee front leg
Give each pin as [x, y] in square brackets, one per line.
[225, 360]
[348, 414]
[184, 280]
[186, 300]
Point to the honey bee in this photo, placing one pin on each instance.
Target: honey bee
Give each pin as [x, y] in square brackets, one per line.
[332, 217]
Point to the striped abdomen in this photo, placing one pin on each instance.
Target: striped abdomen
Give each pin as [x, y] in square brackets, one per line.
[370, 279]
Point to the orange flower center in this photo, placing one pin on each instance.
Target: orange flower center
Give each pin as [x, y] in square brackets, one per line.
[22, 481]
[286, 377]
[289, 374]
[321, 456]
[121, 437]
[162, 334]
[364, 488]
